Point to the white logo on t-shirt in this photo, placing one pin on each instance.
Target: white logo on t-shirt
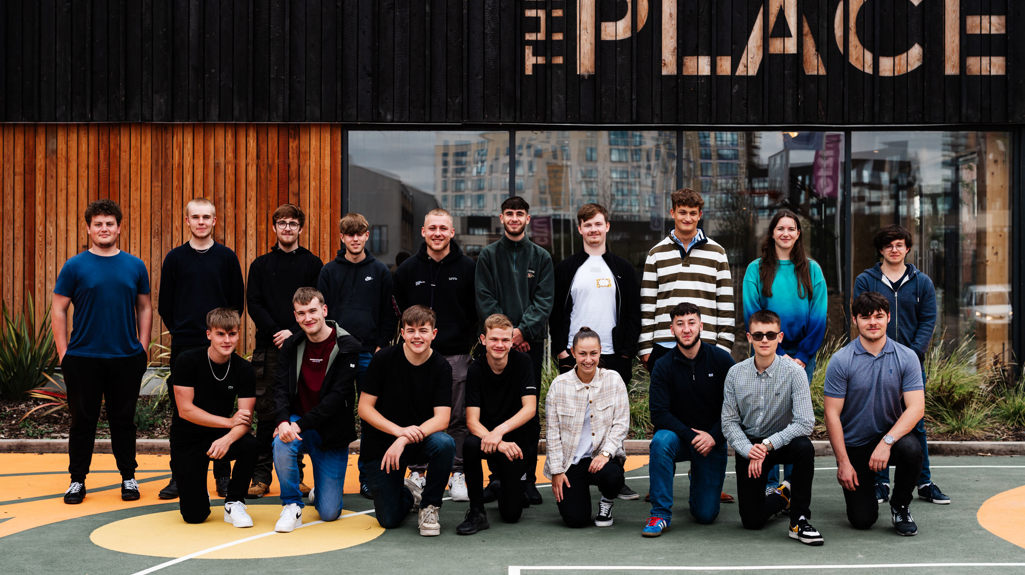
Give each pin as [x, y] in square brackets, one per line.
[603, 282]
[368, 279]
[419, 282]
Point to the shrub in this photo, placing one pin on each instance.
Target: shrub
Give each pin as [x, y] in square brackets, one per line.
[958, 397]
[1010, 409]
[27, 352]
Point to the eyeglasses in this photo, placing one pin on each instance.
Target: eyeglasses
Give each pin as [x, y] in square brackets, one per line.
[896, 247]
[287, 225]
[758, 335]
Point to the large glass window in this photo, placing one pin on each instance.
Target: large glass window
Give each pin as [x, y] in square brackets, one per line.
[952, 191]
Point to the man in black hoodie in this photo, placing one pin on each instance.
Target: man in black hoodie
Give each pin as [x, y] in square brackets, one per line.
[441, 278]
[273, 279]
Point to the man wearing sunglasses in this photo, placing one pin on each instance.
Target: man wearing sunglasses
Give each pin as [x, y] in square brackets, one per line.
[767, 417]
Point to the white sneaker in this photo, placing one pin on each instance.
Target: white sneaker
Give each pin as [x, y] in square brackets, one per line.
[235, 513]
[428, 522]
[415, 484]
[457, 487]
[291, 517]
[311, 496]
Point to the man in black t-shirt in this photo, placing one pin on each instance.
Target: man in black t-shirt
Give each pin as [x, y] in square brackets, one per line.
[501, 398]
[405, 402]
[206, 384]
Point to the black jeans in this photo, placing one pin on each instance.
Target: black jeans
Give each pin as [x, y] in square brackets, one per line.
[392, 500]
[510, 500]
[265, 362]
[905, 455]
[656, 352]
[621, 365]
[89, 381]
[755, 507]
[222, 467]
[575, 506]
[189, 463]
[532, 429]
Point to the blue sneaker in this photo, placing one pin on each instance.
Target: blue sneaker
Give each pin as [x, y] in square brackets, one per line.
[655, 527]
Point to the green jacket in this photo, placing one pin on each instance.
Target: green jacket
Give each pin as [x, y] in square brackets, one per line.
[516, 279]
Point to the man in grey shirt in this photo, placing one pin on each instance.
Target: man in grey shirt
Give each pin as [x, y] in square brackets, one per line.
[874, 398]
[767, 417]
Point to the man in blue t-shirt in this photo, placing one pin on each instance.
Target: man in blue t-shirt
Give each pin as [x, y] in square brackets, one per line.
[874, 396]
[106, 355]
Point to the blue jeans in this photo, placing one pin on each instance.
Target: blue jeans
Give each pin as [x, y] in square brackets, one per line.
[707, 475]
[772, 474]
[361, 368]
[328, 472]
[392, 501]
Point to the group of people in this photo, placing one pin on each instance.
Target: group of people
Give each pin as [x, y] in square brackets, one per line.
[428, 403]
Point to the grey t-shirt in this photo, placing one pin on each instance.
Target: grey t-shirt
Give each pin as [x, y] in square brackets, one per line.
[872, 388]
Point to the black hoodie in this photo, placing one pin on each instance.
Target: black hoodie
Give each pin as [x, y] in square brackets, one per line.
[447, 288]
[359, 299]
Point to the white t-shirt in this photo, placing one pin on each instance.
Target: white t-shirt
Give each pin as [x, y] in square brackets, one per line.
[594, 302]
[585, 447]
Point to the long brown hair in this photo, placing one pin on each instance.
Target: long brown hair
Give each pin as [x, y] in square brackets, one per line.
[769, 264]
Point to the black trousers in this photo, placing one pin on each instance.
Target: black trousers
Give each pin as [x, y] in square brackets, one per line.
[189, 463]
[532, 429]
[575, 506]
[755, 508]
[621, 365]
[222, 467]
[510, 500]
[265, 362]
[905, 456]
[656, 352]
[90, 381]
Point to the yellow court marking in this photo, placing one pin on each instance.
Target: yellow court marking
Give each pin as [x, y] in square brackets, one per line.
[166, 535]
[1003, 515]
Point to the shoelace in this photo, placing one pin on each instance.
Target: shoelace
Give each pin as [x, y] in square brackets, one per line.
[654, 521]
[604, 508]
[75, 487]
[130, 484]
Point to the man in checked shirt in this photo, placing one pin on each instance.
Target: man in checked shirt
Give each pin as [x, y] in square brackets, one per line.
[767, 417]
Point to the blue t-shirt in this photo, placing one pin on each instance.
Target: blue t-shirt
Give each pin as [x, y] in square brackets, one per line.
[103, 291]
[872, 388]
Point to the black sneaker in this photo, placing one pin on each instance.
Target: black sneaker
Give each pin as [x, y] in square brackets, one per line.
[365, 491]
[170, 491]
[604, 516]
[129, 490]
[931, 492]
[903, 522]
[882, 492]
[492, 491]
[75, 493]
[474, 521]
[627, 494]
[222, 486]
[533, 496]
[805, 533]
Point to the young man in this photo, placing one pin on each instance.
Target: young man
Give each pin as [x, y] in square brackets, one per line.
[440, 277]
[686, 404]
[106, 356]
[313, 393]
[913, 300]
[196, 277]
[405, 402]
[501, 398]
[685, 266]
[273, 279]
[514, 277]
[874, 396]
[765, 432]
[204, 427]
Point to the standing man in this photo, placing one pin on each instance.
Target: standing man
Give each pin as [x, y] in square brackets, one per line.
[314, 388]
[196, 277]
[912, 298]
[405, 404]
[441, 278]
[598, 289]
[874, 396]
[501, 398]
[766, 418]
[686, 407]
[514, 277]
[106, 356]
[206, 425]
[273, 279]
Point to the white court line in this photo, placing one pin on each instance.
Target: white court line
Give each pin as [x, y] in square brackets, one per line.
[520, 569]
[833, 468]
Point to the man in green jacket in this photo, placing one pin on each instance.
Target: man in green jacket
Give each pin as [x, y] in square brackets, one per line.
[515, 277]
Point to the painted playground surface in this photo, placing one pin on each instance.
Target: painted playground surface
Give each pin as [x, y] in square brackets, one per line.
[982, 531]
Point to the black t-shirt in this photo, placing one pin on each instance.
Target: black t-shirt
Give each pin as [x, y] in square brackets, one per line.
[500, 396]
[406, 394]
[193, 369]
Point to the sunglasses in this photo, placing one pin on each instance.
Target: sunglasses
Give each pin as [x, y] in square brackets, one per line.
[758, 335]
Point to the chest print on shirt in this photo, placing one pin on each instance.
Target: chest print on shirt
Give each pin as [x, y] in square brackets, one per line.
[420, 283]
[316, 360]
[368, 279]
[530, 274]
[603, 282]
[453, 278]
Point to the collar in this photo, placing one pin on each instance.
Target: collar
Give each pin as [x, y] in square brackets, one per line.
[595, 383]
[513, 245]
[699, 236]
[860, 349]
[769, 371]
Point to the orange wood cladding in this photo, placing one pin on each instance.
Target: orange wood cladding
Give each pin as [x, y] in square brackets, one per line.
[50, 172]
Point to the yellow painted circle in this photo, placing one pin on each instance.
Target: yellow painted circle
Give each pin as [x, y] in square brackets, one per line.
[1004, 515]
[166, 535]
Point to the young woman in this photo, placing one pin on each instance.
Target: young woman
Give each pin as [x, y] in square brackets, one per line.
[588, 416]
[786, 281]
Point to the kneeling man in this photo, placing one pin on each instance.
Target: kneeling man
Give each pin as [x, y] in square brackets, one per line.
[766, 418]
[313, 393]
[874, 398]
[206, 384]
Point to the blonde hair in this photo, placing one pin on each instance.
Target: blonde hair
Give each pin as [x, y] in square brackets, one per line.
[200, 202]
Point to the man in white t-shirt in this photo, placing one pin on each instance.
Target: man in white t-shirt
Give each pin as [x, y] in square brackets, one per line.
[599, 290]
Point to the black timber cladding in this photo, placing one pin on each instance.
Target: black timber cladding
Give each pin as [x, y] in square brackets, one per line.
[733, 62]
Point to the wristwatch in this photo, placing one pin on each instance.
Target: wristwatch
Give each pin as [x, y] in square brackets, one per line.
[767, 444]
[888, 439]
[606, 453]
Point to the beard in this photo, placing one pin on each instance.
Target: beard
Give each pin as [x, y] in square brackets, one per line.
[688, 345]
[514, 232]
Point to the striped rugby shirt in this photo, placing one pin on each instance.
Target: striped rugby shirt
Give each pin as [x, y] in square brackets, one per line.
[700, 276]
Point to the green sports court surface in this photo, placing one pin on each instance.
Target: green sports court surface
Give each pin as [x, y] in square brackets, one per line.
[982, 531]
